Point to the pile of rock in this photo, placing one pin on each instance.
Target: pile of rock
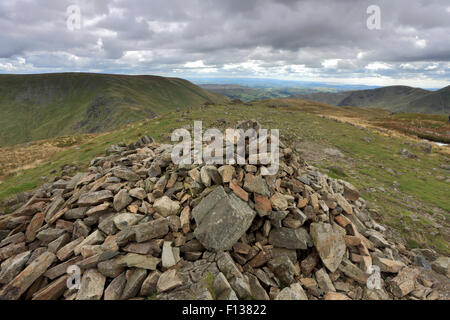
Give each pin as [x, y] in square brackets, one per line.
[139, 226]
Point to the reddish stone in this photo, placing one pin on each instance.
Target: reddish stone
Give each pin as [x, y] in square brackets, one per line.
[241, 248]
[262, 204]
[65, 225]
[241, 193]
[309, 263]
[34, 225]
[302, 202]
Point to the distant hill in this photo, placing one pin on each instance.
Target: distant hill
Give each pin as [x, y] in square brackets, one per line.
[47, 105]
[394, 98]
[267, 83]
[245, 93]
[436, 101]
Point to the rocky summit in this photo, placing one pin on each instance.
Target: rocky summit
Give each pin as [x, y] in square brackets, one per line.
[138, 226]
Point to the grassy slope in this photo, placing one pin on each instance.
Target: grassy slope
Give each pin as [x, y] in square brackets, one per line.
[39, 106]
[439, 101]
[393, 98]
[413, 208]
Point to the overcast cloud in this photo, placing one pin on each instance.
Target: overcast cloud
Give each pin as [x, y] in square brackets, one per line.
[285, 39]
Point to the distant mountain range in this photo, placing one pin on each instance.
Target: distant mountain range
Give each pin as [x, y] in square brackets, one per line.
[46, 105]
[394, 98]
[263, 83]
[245, 94]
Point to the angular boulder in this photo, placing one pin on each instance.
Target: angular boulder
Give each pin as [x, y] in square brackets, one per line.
[221, 220]
[290, 238]
[329, 244]
[166, 206]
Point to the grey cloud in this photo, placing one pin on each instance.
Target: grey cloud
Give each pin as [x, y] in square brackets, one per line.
[299, 35]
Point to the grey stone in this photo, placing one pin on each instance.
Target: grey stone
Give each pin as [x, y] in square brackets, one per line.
[256, 184]
[150, 230]
[290, 238]
[168, 281]
[61, 268]
[92, 285]
[110, 268]
[324, 281]
[75, 179]
[421, 261]
[14, 289]
[170, 255]
[107, 224]
[138, 261]
[76, 213]
[149, 285]
[222, 288]
[166, 206]
[80, 229]
[135, 278]
[115, 288]
[329, 244]
[221, 223]
[283, 268]
[237, 280]
[256, 289]
[13, 266]
[95, 237]
[94, 198]
[49, 234]
[204, 176]
[404, 282]
[125, 174]
[138, 193]
[214, 174]
[442, 265]
[121, 200]
[353, 272]
[57, 244]
[126, 219]
[54, 207]
[429, 254]
[293, 292]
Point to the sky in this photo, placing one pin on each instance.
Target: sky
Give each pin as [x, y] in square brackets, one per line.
[343, 42]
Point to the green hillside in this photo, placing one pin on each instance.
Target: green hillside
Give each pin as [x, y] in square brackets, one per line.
[39, 106]
[394, 98]
[438, 101]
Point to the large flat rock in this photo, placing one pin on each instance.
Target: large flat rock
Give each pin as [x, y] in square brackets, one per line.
[221, 220]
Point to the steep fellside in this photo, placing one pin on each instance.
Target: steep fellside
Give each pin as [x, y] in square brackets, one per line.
[394, 98]
[46, 105]
[438, 102]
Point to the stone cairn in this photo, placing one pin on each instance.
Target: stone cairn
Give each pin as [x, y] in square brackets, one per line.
[140, 227]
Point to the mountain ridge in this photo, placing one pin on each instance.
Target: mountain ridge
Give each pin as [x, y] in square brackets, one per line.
[394, 98]
[40, 106]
